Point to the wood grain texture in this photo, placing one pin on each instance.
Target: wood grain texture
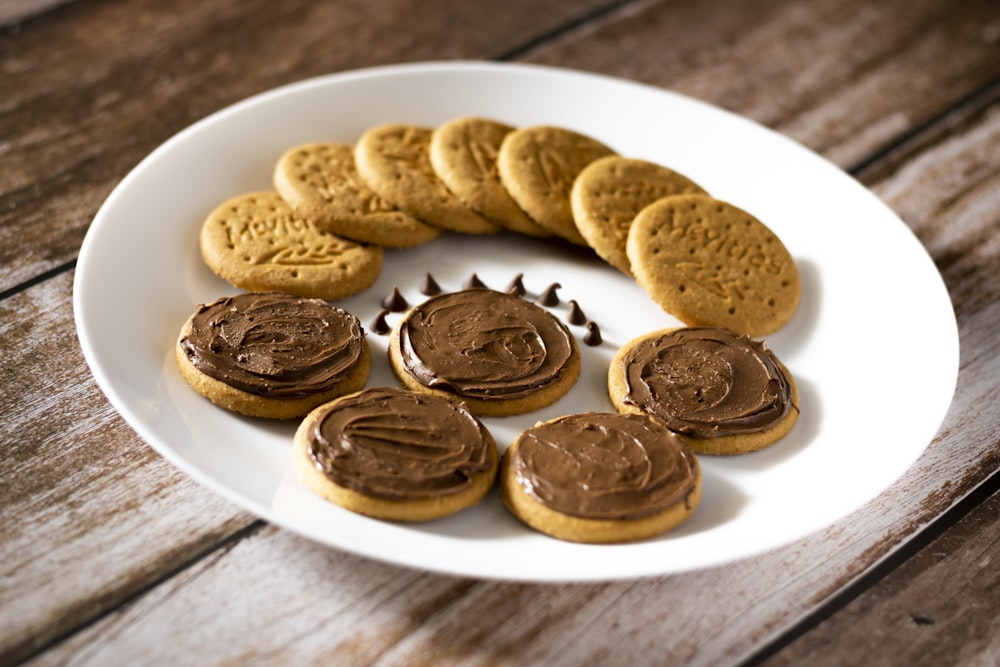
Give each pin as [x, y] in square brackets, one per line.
[16, 11]
[845, 79]
[84, 99]
[91, 514]
[133, 563]
[942, 607]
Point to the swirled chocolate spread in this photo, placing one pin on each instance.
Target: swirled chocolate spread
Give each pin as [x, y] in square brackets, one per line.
[480, 343]
[274, 344]
[707, 382]
[402, 445]
[604, 466]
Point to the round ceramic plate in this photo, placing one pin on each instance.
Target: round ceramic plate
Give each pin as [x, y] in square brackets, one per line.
[874, 352]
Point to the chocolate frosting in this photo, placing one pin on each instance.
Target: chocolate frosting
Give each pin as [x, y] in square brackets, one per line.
[274, 344]
[604, 466]
[707, 382]
[396, 444]
[480, 343]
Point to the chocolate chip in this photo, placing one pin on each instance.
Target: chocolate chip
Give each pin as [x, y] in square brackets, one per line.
[429, 287]
[575, 315]
[549, 296]
[473, 281]
[593, 335]
[516, 286]
[395, 301]
[379, 325]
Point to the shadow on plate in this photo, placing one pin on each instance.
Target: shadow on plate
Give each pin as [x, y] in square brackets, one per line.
[721, 502]
[798, 332]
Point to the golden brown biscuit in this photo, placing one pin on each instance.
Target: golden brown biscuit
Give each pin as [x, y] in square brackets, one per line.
[463, 153]
[723, 392]
[710, 263]
[398, 455]
[320, 181]
[257, 243]
[600, 478]
[610, 192]
[496, 352]
[394, 161]
[272, 355]
[538, 165]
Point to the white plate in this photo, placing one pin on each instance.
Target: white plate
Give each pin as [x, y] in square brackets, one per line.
[874, 345]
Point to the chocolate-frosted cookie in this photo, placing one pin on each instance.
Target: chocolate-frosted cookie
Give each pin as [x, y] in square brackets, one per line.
[394, 454]
[610, 192]
[498, 353]
[320, 181]
[725, 393]
[273, 354]
[598, 477]
[394, 160]
[258, 243]
[709, 263]
[538, 165]
[463, 153]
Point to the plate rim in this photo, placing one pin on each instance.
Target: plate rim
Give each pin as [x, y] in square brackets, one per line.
[150, 437]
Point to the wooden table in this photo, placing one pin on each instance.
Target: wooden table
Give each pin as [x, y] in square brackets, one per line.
[112, 556]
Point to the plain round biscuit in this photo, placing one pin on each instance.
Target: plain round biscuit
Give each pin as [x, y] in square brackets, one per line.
[507, 407]
[320, 181]
[394, 160]
[610, 192]
[592, 531]
[253, 405]
[538, 165]
[381, 508]
[257, 243]
[723, 445]
[463, 153]
[710, 263]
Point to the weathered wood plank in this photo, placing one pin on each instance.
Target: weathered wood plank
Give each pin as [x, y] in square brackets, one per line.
[846, 79]
[370, 612]
[15, 11]
[91, 514]
[84, 97]
[942, 607]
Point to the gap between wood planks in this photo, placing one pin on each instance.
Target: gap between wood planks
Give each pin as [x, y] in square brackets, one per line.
[24, 655]
[40, 278]
[551, 35]
[972, 104]
[880, 570]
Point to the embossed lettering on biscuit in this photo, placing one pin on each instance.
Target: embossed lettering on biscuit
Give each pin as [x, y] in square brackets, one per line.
[256, 242]
[394, 161]
[320, 181]
[710, 263]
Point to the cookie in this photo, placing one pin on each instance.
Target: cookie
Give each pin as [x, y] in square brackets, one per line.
[723, 392]
[600, 478]
[256, 242]
[463, 153]
[610, 192]
[537, 166]
[498, 353]
[394, 161]
[394, 454]
[709, 263]
[272, 354]
[321, 182]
